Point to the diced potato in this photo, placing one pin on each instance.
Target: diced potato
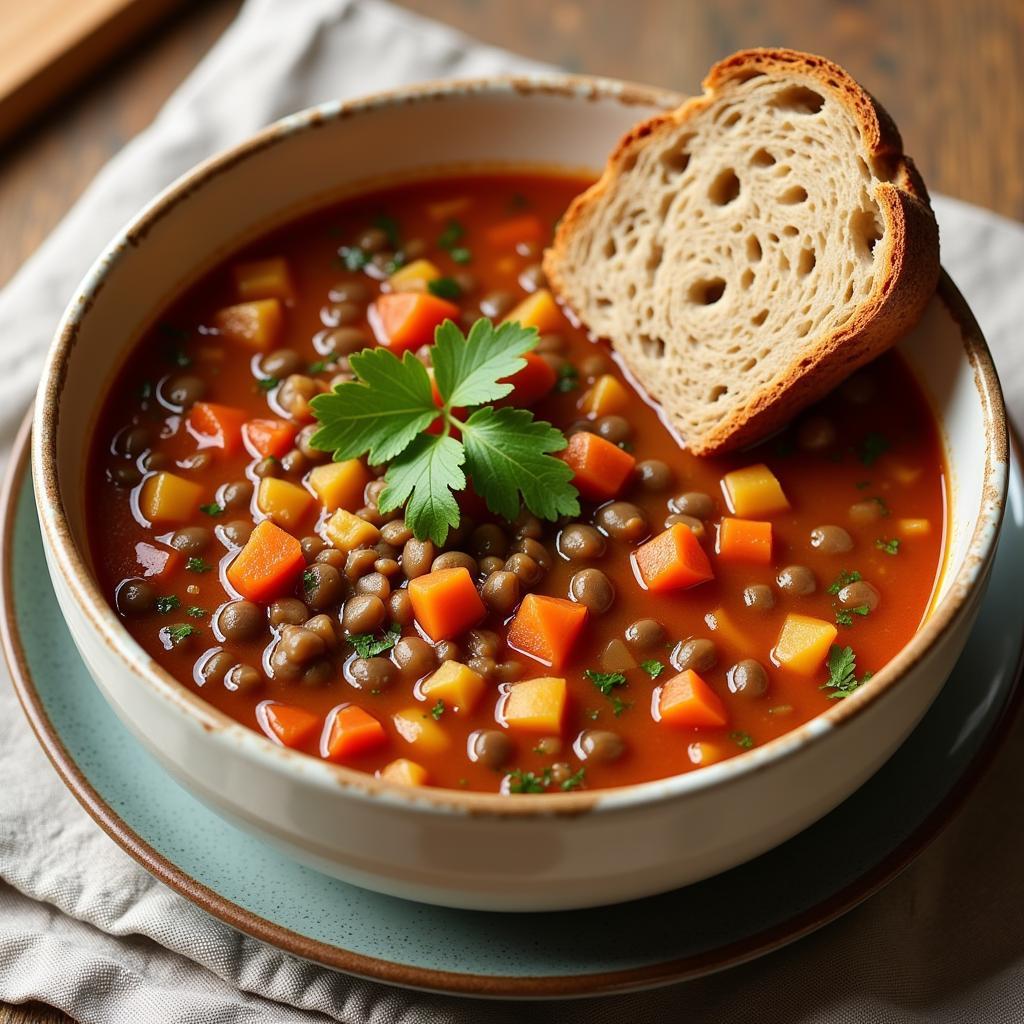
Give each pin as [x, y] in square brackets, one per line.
[605, 398]
[456, 684]
[413, 277]
[804, 643]
[340, 484]
[901, 472]
[536, 705]
[254, 324]
[169, 498]
[283, 502]
[914, 527]
[418, 727]
[704, 753]
[407, 772]
[538, 310]
[753, 491]
[724, 627]
[347, 532]
[263, 279]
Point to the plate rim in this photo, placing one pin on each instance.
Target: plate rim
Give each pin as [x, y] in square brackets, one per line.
[674, 970]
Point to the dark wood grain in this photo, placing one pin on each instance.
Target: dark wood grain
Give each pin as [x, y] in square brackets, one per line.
[950, 72]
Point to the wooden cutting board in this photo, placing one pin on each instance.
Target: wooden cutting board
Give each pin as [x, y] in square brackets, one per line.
[49, 46]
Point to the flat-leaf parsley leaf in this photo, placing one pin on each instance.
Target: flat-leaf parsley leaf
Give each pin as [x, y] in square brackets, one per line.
[605, 681]
[369, 646]
[842, 673]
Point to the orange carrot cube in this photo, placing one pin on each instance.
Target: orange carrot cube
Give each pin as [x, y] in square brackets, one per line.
[445, 603]
[351, 732]
[674, 560]
[509, 233]
[265, 437]
[745, 540]
[532, 382]
[600, 467]
[688, 702]
[288, 725]
[546, 628]
[403, 321]
[268, 565]
[217, 426]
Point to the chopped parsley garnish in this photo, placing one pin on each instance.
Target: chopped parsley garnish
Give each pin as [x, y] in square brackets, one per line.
[180, 632]
[891, 546]
[444, 288]
[460, 254]
[844, 616]
[437, 710]
[605, 681]
[267, 383]
[195, 611]
[309, 579]
[197, 565]
[527, 782]
[212, 509]
[742, 739]
[574, 781]
[568, 378]
[389, 226]
[619, 706]
[653, 667]
[842, 673]
[318, 367]
[452, 234]
[385, 412]
[393, 264]
[167, 604]
[845, 578]
[353, 258]
[873, 447]
[369, 646]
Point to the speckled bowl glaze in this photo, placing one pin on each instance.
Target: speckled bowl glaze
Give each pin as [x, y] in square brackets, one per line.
[461, 849]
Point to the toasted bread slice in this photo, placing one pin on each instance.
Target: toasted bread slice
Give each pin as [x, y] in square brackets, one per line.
[747, 251]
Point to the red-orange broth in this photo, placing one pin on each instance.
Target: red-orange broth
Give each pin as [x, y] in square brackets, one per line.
[867, 460]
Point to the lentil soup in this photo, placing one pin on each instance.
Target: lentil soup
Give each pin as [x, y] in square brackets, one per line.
[691, 609]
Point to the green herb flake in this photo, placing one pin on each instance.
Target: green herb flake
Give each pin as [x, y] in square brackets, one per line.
[317, 367]
[180, 632]
[167, 604]
[842, 673]
[653, 667]
[195, 611]
[742, 739]
[873, 447]
[212, 509]
[396, 262]
[451, 235]
[619, 707]
[437, 710]
[445, 288]
[197, 565]
[844, 616]
[369, 646]
[520, 781]
[267, 383]
[891, 546]
[880, 502]
[353, 258]
[309, 579]
[845, 578]
[605, 681]
[460, 254]
[574, 781]
[568, 378]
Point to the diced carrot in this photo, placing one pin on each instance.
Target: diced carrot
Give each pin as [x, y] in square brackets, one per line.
[219, 426]
[538, 310]
[255, 324]
[269, 437]
[507, 233]
[263, 279]
[745, 540]
[687, 701]
[600, 467]
[674, 560]
[408, 773]
[268, 565]
[352, 732]
[606, 397]
[445, 603]
[532, 382]
[289, 725]
[546, 628]
[404, 321]
[156, 562]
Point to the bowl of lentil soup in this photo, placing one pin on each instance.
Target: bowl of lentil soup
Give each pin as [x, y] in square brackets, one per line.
[392, 565]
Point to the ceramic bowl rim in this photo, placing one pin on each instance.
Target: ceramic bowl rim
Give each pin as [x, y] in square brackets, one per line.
[310, 771]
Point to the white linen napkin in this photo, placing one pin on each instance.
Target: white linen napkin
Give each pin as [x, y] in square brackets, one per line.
[84, 928]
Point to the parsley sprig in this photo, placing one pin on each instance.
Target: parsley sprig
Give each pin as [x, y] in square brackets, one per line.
[385, 412]
[842, 673]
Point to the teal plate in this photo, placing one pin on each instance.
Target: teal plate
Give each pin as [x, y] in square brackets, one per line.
[743, 913]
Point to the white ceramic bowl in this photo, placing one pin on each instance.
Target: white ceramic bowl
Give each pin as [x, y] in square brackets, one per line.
[440, 846]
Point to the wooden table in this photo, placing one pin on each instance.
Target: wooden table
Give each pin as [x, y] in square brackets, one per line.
[950, 73]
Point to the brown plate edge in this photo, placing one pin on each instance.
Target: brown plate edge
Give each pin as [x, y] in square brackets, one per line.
[448, 982]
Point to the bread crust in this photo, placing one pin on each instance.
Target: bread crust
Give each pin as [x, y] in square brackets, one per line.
[899, 296]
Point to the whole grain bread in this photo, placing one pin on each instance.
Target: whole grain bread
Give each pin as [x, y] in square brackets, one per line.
[747, 251]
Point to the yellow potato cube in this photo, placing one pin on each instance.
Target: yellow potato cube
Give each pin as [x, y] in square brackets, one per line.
[340, 484]
[753, 492]
[456, 684]
[407, 772]
[263, 279]
[282, 502]
[724, 627]
[536, 705]
[704, 753]
[605, 398]
[914, 527]
[413, 277]
[538, 310]
[347, 532]
[168, 498]
[254, 324]
[417, 726]
[803, 643]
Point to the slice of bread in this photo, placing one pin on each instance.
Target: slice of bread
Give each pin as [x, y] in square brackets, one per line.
[747, 251]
